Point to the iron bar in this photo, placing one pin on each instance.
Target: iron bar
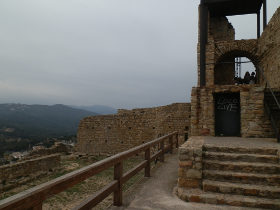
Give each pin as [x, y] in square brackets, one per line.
[264, 14]
[229, 62]
[258, 24]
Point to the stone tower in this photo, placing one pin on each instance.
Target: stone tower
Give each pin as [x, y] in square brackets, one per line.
[221, 106]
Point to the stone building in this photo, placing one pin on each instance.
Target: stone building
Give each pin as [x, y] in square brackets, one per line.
[220, 107]
[231, 170]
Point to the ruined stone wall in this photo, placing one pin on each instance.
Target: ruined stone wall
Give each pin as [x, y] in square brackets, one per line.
[269, 50]
[110, 134]
[13, 175]
[58, 147]
[219, 30]
[254, 122]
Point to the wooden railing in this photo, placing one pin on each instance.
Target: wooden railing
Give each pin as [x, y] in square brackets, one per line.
[33, 198]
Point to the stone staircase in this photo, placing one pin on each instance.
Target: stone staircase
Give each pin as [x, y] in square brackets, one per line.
[247, 177]
[238, 176]
[273, 110]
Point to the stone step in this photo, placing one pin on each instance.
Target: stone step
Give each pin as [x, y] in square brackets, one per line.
[240, 150]
[240, 157]
[241, 189]
[227, 199]
[247, 167]
[239, 177]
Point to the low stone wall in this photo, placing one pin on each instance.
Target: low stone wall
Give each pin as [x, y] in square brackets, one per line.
[58, 147]
[111, 134]
[12, 175]
[190, 163]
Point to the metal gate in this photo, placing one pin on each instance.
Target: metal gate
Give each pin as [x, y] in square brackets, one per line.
[227, 114]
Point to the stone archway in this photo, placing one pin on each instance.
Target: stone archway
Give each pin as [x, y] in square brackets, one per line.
[226, 52]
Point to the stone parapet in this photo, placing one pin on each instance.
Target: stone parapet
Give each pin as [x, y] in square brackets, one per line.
[190, 163]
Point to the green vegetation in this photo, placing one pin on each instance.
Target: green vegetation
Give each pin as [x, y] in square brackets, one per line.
[23, 126]
[39, 121]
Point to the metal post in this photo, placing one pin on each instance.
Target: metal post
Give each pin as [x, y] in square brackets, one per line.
[203, 18]
[264, 14]
[258, 24]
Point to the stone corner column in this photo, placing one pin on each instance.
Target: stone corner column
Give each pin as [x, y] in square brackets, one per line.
[190, 164]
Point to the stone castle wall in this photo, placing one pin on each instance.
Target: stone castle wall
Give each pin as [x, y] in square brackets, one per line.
[16, 174]
[254, 122]
[269, 50]
[219, 30]
[110, 134]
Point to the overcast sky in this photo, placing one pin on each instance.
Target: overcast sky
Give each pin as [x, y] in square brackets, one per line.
[120, 53]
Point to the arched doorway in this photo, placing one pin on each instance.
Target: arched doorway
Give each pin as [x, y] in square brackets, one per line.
[232, 66]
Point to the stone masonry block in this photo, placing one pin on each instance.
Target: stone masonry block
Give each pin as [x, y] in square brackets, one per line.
[189, 183]
[194, 174]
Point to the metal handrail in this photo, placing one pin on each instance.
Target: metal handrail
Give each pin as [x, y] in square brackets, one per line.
[267, 86]
[270, 89]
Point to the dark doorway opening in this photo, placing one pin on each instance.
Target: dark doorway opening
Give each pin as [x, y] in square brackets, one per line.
[227, 114]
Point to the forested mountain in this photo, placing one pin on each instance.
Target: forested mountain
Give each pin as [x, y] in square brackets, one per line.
[99, 109]
[39, 121]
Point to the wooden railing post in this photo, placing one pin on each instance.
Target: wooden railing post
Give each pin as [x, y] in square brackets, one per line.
[38, 207]
[171, 144]
[177, 140]
[162, 150]
[118, 173]
[148, 158]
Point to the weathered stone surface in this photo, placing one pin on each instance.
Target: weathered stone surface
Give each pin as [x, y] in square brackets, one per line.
[194, 174]
[254, 122]
[189, 183]
[15, 174]
[110, 134]
[58, 147]
[184, 164]
[190, 163]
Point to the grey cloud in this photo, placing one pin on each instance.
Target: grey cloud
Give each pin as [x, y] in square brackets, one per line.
[121, 53]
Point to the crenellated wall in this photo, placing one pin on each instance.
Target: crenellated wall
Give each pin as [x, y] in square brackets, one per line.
[110, 134]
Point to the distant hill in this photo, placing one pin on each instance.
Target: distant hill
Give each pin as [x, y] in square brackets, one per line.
[39, 121]
[100, 109]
